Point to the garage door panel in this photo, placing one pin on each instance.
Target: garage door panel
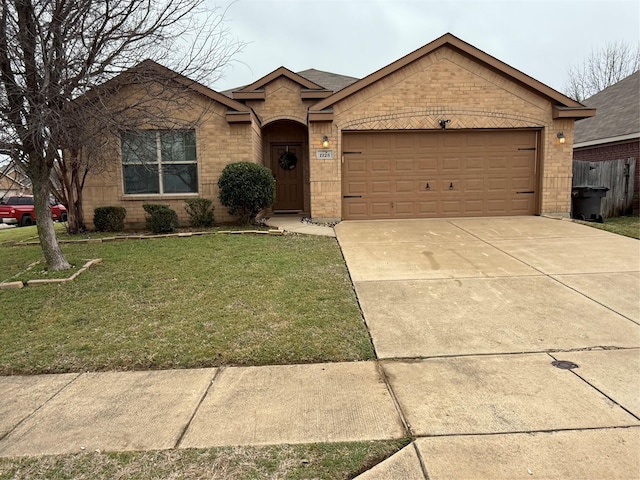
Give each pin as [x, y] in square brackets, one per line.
[404, 208]
[522, 183]
[451, 165]
[498, 163]
[381, 209]
[498, 185]
[432, 174]
[451, 184]
[355, 165]
[427, 142]
[427, 208]
[404, 166]
[522, 203]
[406, 186]
[474, 207]
[520, 162]
[496, 205]
[381, 166]
[452, 207]
[474, 162]
[356, 188]
[381, 142]
[356, 209]
[427, 165]
[405, 142]
[383, 187]
[473, 185]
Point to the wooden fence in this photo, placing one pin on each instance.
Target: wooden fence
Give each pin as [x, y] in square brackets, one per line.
[617, 175]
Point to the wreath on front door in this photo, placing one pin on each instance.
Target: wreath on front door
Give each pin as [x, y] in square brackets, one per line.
[288, 161]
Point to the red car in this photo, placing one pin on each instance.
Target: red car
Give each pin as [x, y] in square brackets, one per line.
[20, 211]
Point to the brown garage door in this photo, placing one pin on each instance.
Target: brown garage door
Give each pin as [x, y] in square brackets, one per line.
[439, 174]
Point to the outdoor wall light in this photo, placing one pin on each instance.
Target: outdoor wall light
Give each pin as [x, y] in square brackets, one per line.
[561, 137]
[325, 142]
[443, 123]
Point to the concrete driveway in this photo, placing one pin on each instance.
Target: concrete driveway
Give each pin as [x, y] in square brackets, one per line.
[467, 316]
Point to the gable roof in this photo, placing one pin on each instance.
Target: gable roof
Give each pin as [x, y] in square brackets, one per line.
[327, 81]
[281, 72]
[565, 106]
[618, 114]
[149, 66]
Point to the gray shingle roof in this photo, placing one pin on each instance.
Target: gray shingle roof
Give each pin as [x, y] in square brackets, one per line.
[617, 112]
[328, 80]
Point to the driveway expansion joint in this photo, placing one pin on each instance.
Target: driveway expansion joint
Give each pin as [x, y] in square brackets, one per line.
[554, 277]
[531, 432]
[414, 359]
[608, 397]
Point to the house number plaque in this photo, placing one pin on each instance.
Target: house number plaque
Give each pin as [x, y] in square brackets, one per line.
[324, 154]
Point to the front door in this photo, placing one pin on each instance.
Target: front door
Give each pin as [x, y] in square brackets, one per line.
[289, 194]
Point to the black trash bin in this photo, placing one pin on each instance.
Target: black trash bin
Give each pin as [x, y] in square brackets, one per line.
[585, 203]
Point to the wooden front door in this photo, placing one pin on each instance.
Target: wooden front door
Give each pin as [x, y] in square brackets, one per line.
[289, 195]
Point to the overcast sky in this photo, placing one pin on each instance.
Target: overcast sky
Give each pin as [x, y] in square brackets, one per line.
[357, 37]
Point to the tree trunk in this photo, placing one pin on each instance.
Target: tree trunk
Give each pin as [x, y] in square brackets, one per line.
[77, 185]
[74, 206]
[71, 174]
[48, 242]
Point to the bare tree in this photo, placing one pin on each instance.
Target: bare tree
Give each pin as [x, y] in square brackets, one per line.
[56, 60]
[601, 69]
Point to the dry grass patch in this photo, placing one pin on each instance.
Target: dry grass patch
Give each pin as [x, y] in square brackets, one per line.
[326, 461]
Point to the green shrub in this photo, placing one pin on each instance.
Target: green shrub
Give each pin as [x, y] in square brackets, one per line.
[109, 219]
[246, 188]
[200, 211]
[160, 218]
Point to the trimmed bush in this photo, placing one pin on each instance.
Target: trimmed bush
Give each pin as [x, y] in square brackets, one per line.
[160, 218]
[246, 188]
[109, 219]
[200, 211]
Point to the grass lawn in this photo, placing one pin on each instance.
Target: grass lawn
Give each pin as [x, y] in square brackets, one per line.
[179, 303]
[627, 226]
[326, 461]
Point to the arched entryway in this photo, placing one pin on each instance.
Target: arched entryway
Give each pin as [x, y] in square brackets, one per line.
[285, 147]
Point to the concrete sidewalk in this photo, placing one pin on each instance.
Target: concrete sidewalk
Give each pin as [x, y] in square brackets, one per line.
[119, 411]
[294, 224]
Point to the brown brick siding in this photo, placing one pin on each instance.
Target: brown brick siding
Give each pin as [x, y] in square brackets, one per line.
[444, 84]
[217, 144]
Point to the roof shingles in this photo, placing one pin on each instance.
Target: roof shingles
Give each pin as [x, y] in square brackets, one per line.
[618, 112]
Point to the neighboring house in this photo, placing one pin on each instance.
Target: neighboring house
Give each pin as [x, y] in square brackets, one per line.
[13, 181]
[613, 134]
[445, 131]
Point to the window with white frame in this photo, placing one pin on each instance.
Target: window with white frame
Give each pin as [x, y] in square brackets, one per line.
[159, 161]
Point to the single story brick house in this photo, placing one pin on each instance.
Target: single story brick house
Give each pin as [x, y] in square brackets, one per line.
[445, 131]
[614, 134]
